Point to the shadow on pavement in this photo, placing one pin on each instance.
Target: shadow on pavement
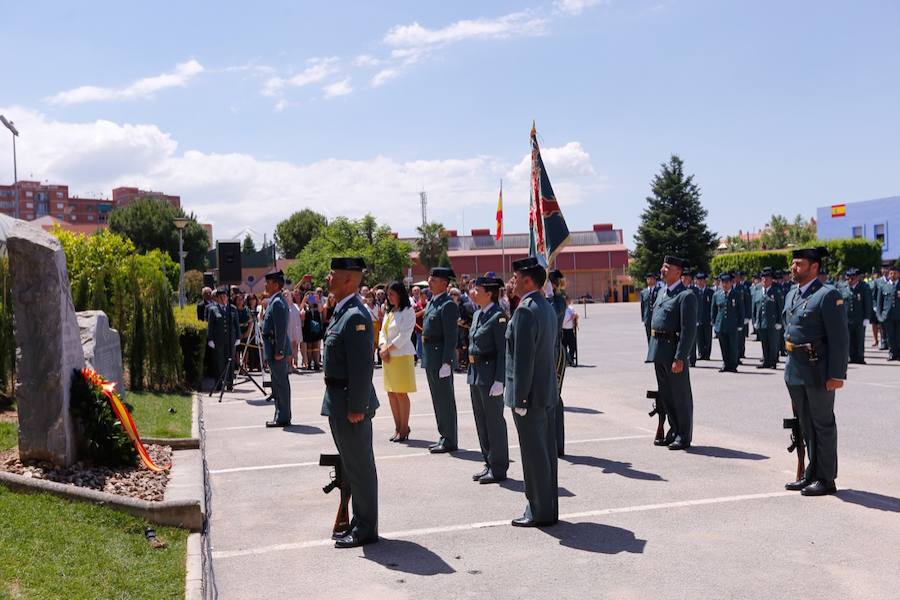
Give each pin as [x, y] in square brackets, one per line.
[408, 557]
[582, 410]
[594, 537]
[306, 429]
[517, 485]
[417, 443]
[870, 500]
[717, 452]
[611, 466]
[471, 455]
[262, 402]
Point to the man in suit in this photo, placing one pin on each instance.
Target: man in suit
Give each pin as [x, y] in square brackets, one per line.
[817, 343]
[277, 347]
[704, 318]
[858, 302]
[222, 333]
[558, 302]
[648, 297]
[531, 392]
[727, 316]
[439, 336]
[673, 331]
[889, 312]
[486, 377]
[350, 401]
[767, 308]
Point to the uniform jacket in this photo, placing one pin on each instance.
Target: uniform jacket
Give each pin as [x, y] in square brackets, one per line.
[675, 314]
[704, 305]
[558, 302]
[347, 362]
[530, 355]
[889, 309]
[440, 332]
[275, 328]
[727, 312]
[648, 297]
[744, 289]
[222, 325]
[858, 302]
[487, 346]
[767, 307]
[816, 317]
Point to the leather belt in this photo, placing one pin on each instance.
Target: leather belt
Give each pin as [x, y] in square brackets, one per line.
[475, 357]
[671, 335]
[790, 347]
[336, 382]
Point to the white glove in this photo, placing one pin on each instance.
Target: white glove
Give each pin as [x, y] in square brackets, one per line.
[865, 322]
[445, 371]
[211, 344]
[778, 327]
[496, 389]
[521, 411]
[237, 342]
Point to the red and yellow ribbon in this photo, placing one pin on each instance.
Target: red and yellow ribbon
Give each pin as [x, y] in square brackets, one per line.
[108, 389]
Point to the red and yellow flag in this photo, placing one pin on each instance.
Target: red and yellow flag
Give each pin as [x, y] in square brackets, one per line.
[838, 210]
[499, 233]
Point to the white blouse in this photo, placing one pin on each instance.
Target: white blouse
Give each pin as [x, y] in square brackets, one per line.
[397, 332]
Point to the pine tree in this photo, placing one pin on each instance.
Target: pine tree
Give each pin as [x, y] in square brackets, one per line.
[674, 222]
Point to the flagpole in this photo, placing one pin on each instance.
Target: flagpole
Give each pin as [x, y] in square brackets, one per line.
[502, 242]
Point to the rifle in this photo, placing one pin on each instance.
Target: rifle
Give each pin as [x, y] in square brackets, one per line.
[342, 520]
[797, 444]
[659, 410]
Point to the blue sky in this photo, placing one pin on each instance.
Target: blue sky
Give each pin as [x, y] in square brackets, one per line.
[252, 112]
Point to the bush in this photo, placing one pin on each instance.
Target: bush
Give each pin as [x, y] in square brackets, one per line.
[103, 439]
[751, 262]
[861, 254]
[192, 340]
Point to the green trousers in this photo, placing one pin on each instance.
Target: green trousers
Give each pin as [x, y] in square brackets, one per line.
[728, 344]
[491, 427]
[354, 444]
[678, 399]
[768, 339]
[443, 399]
[281, 389]
[814, 407]
[537, 441]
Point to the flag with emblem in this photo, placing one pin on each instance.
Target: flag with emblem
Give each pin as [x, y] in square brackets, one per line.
[548, 232]
[838, 210]
[499, 233]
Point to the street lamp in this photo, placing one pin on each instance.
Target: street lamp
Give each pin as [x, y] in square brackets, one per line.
[15, 133]
[180, 224]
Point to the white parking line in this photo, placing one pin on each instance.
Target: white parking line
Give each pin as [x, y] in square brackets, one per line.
[470, 526]
[325, 422]
[404, 455]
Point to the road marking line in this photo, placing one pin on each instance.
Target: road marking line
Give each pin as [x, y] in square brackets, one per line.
[325, 422]
[404, 455]
[485, 524]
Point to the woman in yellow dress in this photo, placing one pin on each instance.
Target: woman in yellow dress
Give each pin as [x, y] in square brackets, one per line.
[397, 354]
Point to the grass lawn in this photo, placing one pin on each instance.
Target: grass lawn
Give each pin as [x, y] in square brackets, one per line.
[55, 548]
[8, 436]
[153, 419]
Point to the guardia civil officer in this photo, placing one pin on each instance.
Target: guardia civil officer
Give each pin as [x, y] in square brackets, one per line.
[277, 345]
[727, 316]
[486, 376]
[439, 336]
[222, 333]
[881, 286]
[742, 287]
[704, 318]
[889, 312]
[531, 392]
[687, 278]
[768, 305]
[817, 343]
[674, 328]
[558, 302]
[350, 401]
[648, 297]
[858, 302]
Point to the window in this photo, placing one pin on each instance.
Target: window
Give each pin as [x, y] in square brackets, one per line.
[60, 206]
[29, 205]
[858, 231]
[90, 217]
[74, 218]
[59, 194]
[879, 233]
[28, 194]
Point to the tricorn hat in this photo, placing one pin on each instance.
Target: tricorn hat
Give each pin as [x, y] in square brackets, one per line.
[526, 264]
[489, 282]
[443, 272]
[348, 263]
[677, 262]
[276, 274]
[700, 276]
[811, 254]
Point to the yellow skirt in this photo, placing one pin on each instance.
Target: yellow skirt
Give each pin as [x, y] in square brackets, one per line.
[399, 375]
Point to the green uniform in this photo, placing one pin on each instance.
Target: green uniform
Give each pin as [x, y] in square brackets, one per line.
[704, 322]
[727, 315]
[487, 366]
[558, 302]
[276, 341]
[889, 315]
[648, 297]
[348, 366]
[743, 288]
[768, 305]
[858, 302]
[817, 343]
[223, 330]
[531, 385]
[674, 328]
[439, 336]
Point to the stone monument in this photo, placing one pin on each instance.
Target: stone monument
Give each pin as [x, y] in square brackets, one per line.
[102, 347]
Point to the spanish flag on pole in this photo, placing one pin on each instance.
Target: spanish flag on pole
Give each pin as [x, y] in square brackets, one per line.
[499, 233]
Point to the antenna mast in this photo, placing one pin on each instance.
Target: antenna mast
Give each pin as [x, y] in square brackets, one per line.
[423, 200]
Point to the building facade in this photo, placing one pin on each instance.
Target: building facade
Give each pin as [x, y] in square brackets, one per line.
[123, 196]
[37, 200]
[877, 219]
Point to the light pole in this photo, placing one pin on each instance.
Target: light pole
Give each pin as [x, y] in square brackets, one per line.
[15, 133]
[180, 224]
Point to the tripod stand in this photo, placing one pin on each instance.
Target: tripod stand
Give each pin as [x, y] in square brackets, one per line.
[256, 335]
[220, 382]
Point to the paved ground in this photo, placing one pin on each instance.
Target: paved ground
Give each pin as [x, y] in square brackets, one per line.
[637, 521]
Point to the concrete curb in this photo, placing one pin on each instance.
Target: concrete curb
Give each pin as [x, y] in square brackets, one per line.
[193, 578]
[191, 443]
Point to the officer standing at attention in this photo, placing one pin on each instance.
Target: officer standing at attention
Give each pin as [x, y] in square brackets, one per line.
[881, 286]
[439, 336]
[350, 401]
[768, 306]
[222, 331]
[674, 328]
[742, 287]
[486, 376]
[817, 344]
[558, 301]
[704, 318]
[727, 316]
[687, 278]
[648, 297]
[277, 345]
[858, 302]
[889, 313]
[531, 392]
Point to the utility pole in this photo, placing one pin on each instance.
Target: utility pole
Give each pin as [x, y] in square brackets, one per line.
[423, 199]
[15, 133]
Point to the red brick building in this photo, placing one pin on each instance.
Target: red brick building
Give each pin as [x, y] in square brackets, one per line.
[123, 196]
[38, 200]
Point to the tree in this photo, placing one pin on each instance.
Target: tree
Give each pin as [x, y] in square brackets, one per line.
[385, 255]
[149, 224]
[248, 247]
[432, 245]
[674, 222]
[781, 233]
[295, 232]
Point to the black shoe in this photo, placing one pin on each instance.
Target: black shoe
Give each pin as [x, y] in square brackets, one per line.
[819, 488]
[442, 449]
[394, 437]
[796, 486]
[352, 541]
[679, 445]
[526, 522]
[763, 366]
[277, 424]
[435, 445]
[405, 436]
[722, 370]
[339, 534]
[662, 442]
[480, 474]
[490, 478]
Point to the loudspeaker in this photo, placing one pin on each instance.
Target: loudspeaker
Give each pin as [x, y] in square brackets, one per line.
[228, 255]
[209, 280]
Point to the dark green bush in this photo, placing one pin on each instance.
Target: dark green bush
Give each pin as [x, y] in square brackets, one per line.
[858, 253]
[192, 340]
[103, 440]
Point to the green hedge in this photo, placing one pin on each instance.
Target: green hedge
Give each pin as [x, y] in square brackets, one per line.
[192, 340]
[861, 254]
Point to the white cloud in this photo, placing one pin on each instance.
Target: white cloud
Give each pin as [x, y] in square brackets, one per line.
[383, 76]
[576, 7]
[142, 88]
[338, 88]
[235, 190]
[511, 25]
[366, 60]
[318, 69]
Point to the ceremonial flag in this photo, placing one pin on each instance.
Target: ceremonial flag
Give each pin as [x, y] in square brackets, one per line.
[548, 232]
[499, 233]
[838, 210]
